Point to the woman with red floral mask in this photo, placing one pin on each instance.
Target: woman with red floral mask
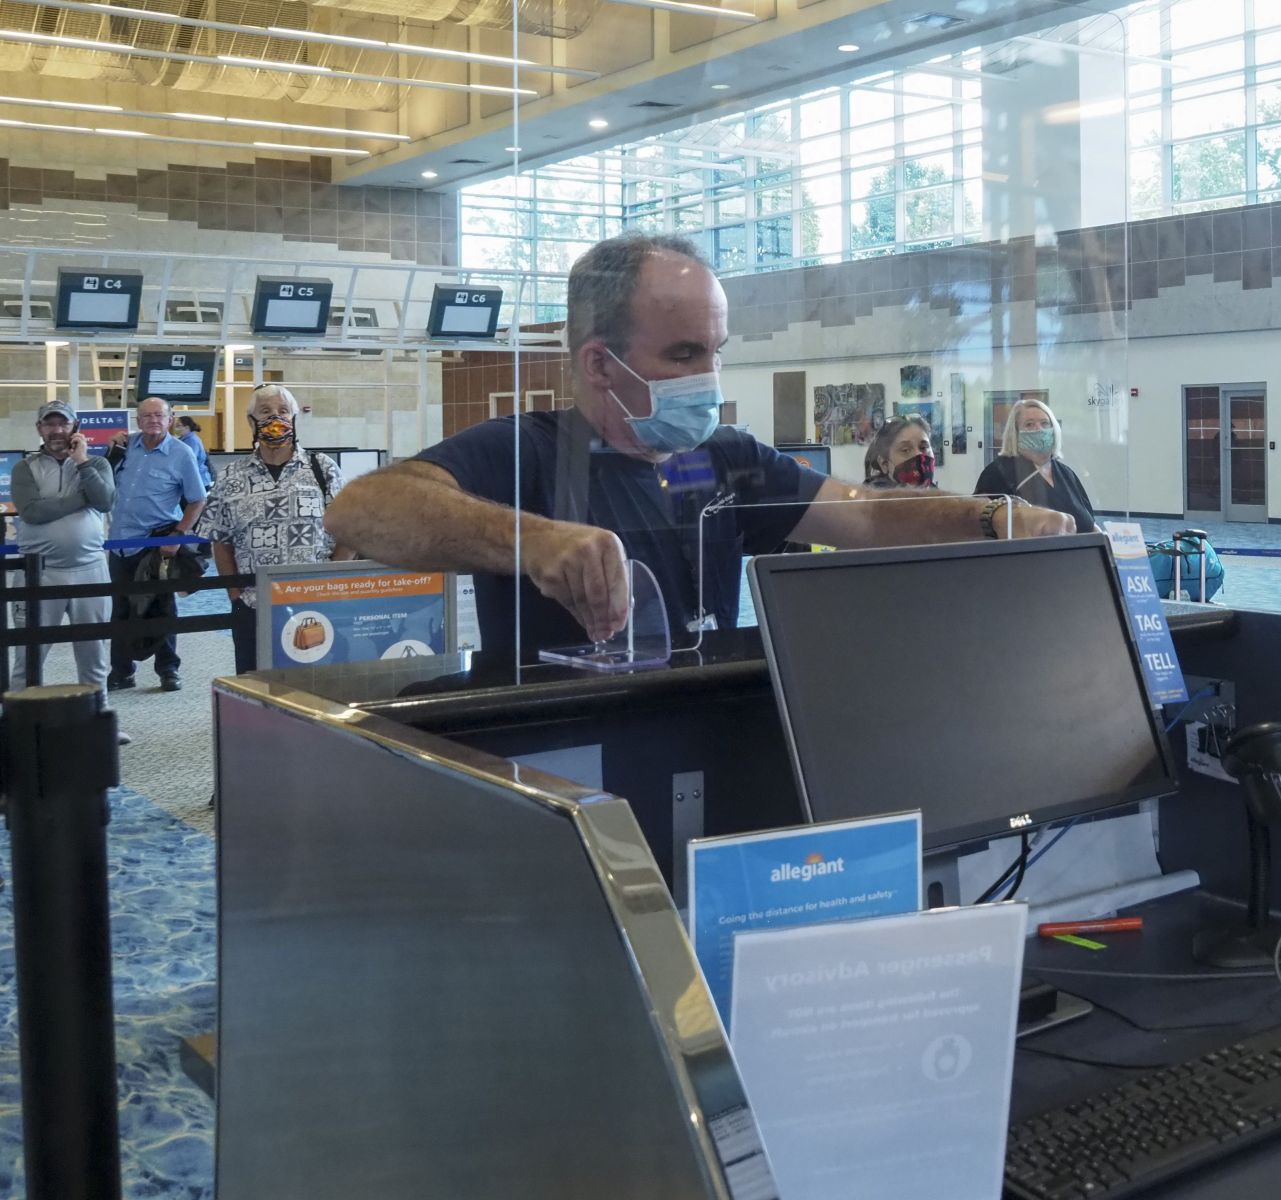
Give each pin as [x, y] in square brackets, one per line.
[901, 454]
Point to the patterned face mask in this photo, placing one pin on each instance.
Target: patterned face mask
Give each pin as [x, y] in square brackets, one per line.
[917, 471]
[273, 432]
[1036, 441]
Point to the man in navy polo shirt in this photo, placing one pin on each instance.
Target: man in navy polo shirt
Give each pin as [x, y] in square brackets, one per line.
[157, 484]
[627, 472]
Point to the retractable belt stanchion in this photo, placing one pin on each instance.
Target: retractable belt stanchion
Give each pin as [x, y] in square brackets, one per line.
[58, 755]
[31, 618]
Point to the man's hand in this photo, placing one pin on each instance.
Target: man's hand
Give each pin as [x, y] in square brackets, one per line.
[120, 439]
[581, 567]
[79, 448]
[1030, 521]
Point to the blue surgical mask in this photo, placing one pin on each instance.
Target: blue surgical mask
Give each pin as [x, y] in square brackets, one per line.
[683, 412]
[1037, 441]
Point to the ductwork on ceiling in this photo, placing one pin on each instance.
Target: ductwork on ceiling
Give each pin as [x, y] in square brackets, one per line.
[551, 18]
[544, 18]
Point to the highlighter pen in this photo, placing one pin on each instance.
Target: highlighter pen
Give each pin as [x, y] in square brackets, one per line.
[1103, 925]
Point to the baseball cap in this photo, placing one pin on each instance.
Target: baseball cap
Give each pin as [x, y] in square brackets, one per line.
[57, 408]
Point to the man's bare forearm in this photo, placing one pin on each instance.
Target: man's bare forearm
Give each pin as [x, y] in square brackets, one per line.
[850, 517]
[414, 515]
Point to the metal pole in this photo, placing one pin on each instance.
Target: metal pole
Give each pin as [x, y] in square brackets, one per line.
[31, 609]
[58, 755]
[4, 624]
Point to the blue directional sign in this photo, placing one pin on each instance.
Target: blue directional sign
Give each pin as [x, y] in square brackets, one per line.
[1161, 669]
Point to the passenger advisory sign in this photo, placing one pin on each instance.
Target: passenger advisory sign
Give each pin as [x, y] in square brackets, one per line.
[318, 615]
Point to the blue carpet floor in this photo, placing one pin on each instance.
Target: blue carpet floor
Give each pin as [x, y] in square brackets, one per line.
[162, 928]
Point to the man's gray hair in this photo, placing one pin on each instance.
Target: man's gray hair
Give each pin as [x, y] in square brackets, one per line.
[601, 284]
[269, 391]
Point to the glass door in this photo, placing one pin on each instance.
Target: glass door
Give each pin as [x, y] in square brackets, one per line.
[996, 411]
[1225, 476]
[1247, 469]
[1202, 453]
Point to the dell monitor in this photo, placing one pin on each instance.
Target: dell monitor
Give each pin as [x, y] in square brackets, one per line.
[995, 685]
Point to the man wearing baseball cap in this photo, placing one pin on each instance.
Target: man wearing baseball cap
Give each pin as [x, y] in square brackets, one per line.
[61, 493]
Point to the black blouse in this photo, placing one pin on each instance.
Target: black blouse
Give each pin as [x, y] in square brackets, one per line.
[1014, 475]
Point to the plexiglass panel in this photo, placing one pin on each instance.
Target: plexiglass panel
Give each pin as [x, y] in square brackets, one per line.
[1040, 249]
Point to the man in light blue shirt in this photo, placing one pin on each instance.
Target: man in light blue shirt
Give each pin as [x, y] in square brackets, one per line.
[157, 484]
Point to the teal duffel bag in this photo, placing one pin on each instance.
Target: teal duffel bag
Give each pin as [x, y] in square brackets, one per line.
[1187, 546]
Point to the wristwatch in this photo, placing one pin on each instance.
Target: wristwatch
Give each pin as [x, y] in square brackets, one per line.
[992, 507]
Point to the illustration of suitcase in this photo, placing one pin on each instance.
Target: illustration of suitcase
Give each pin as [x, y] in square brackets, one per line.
[309, 634]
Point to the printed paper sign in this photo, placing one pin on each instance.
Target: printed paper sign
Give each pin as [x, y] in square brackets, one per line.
[1161, 670]
[839, 871]
[100, 425]
[877, 1055]
[340, 618]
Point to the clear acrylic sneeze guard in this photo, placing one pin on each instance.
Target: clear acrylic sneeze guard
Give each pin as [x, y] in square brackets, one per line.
[644, 643]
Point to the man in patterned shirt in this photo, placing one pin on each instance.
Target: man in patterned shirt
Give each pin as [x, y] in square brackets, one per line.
[269, 507]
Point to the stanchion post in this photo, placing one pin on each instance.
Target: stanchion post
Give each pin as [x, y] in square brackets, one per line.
[4, 626]
[58, 756]
[31, 609]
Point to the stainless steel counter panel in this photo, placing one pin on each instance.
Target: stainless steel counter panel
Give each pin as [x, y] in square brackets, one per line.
[444, 975]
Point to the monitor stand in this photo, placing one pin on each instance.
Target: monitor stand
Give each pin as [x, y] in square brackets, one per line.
[1042, 1006]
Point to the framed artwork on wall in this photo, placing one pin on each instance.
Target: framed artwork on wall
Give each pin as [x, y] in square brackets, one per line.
[848, 413]
[915, 382]
[960, 442]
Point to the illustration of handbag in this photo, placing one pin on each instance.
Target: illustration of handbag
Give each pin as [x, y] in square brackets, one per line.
[309, 634]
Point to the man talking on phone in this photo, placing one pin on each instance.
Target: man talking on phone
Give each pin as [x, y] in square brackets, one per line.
[61, 493]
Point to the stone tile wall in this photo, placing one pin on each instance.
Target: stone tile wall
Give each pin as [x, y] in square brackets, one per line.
[1079, 273]
[290, 198]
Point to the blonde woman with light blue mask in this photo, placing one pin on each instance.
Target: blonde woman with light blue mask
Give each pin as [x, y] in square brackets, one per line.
[1031, 466]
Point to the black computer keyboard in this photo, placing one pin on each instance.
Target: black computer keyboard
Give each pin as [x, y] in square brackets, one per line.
[1131, 1138]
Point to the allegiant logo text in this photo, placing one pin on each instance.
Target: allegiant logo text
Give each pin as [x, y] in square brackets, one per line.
[813, 866]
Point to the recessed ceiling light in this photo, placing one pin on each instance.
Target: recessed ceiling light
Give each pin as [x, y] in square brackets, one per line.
[55, 104]
[429, 174]
[720, 87]
[847, 48]
[598, 123]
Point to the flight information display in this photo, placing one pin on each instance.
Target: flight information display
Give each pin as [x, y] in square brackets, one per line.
[179, 376]
[96, 300]
[291, 305]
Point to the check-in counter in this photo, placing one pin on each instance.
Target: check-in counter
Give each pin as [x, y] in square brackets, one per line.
[447, 970]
